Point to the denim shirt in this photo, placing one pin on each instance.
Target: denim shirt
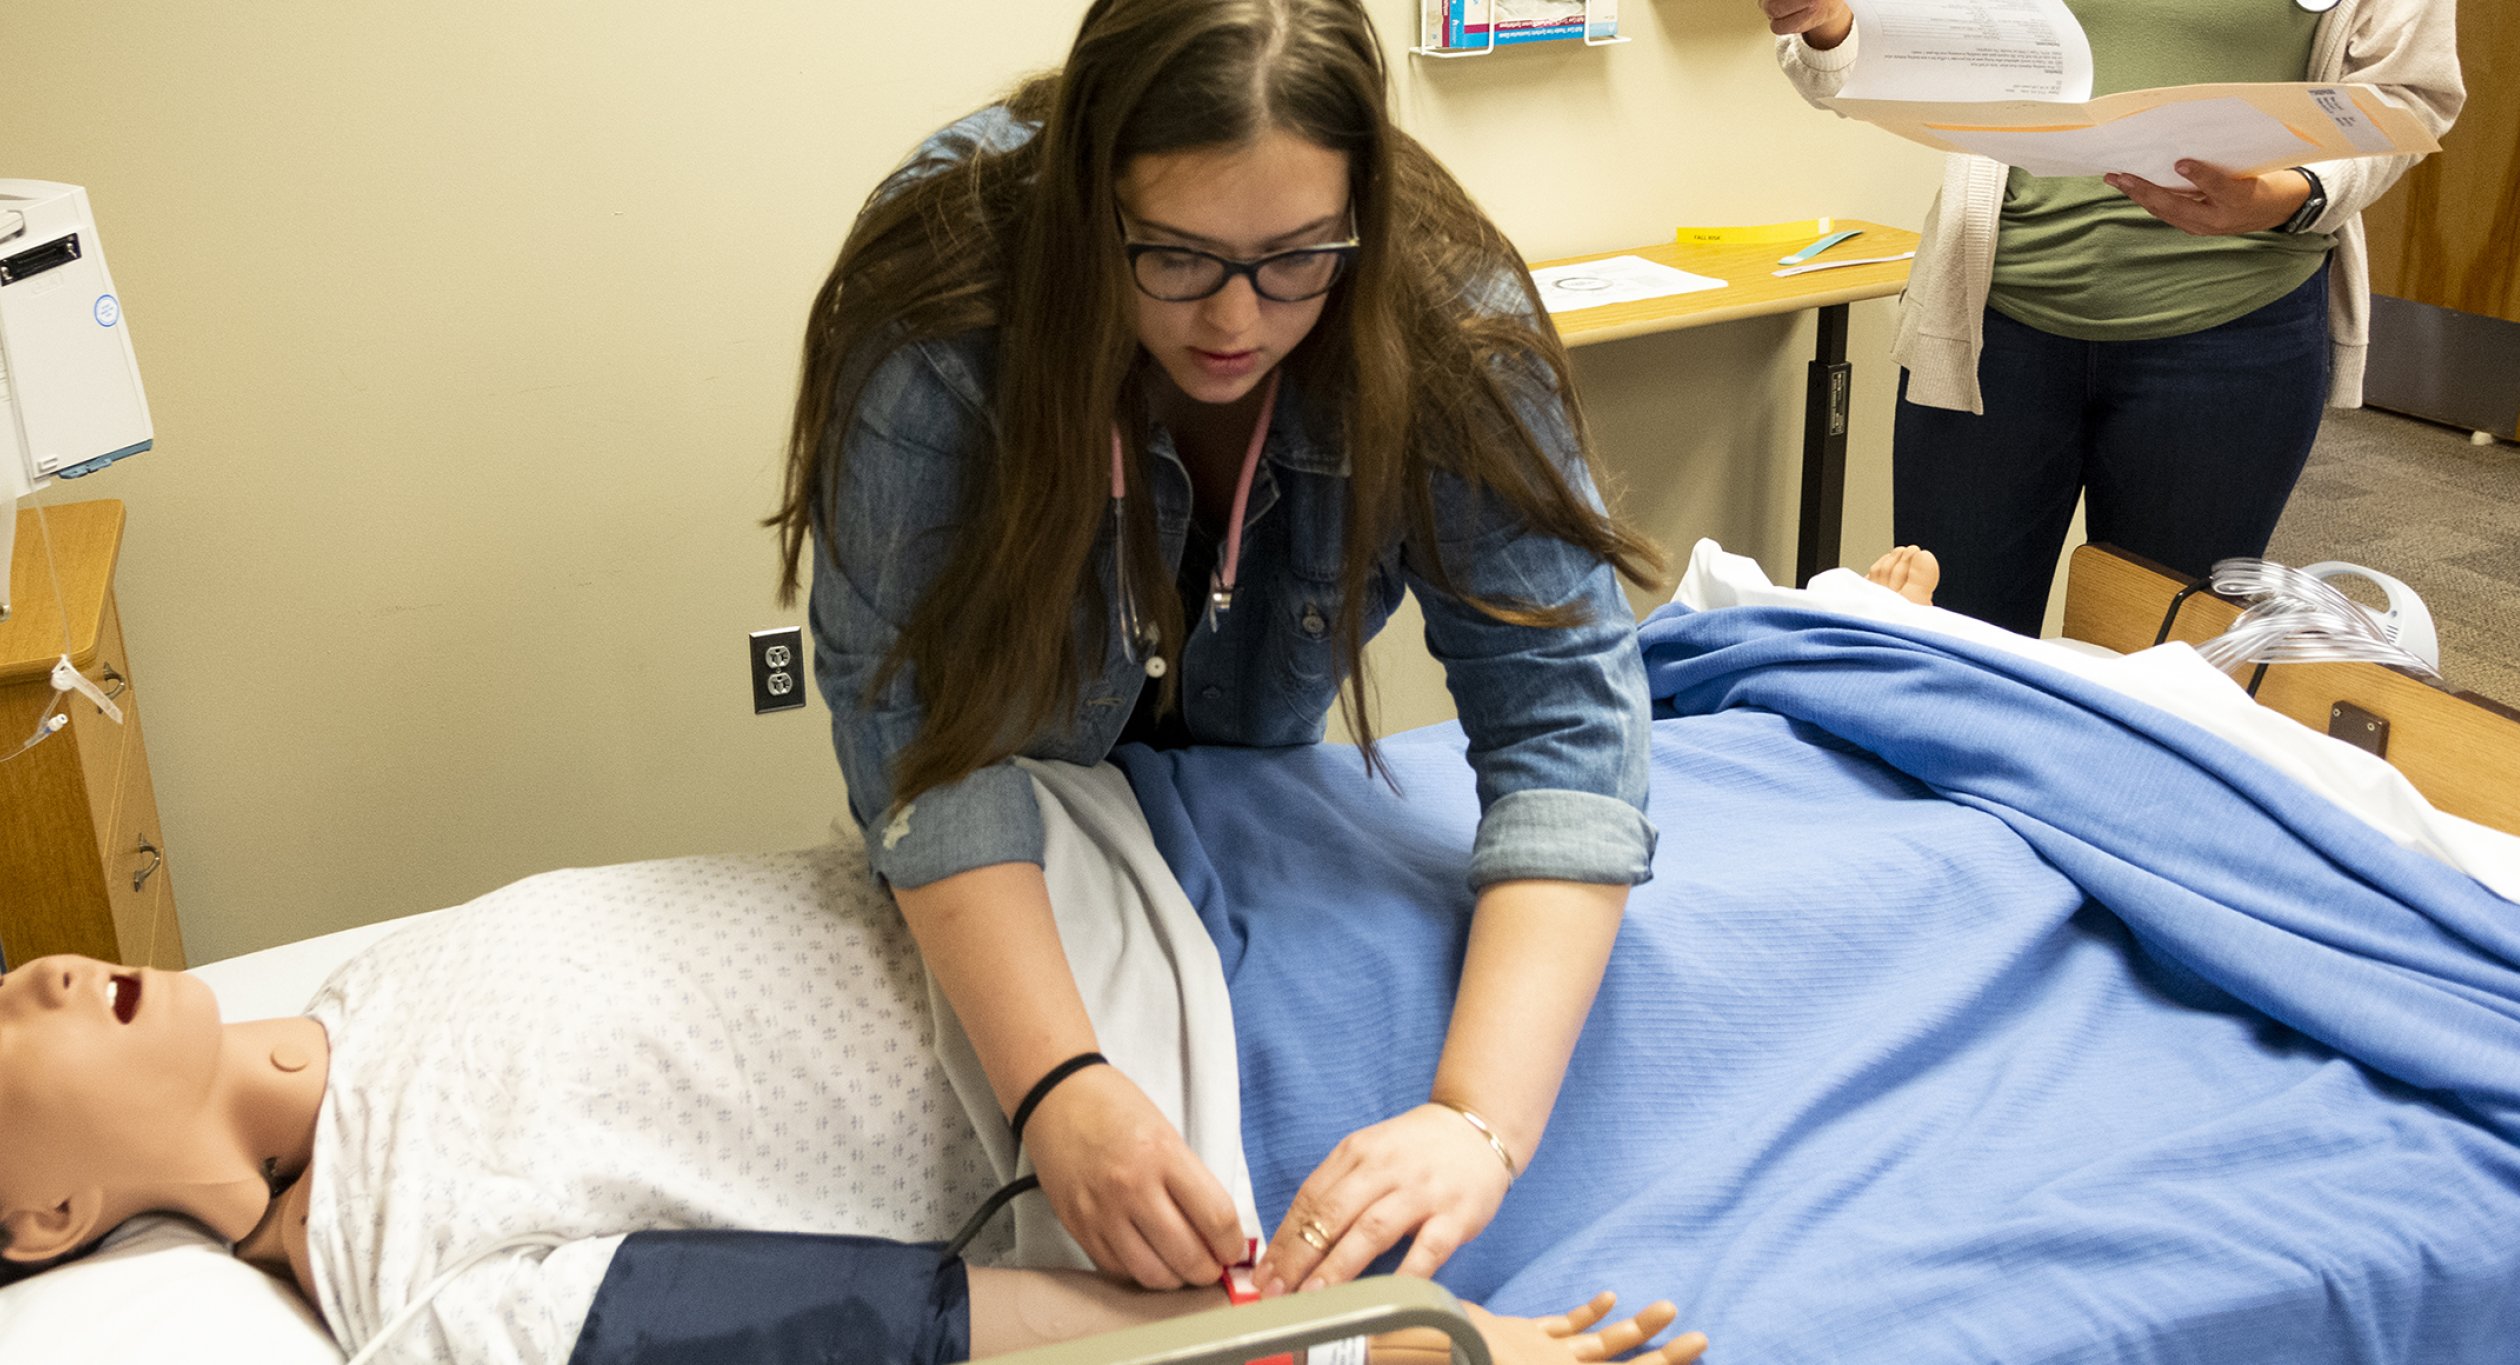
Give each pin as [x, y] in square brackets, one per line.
[1556, 719]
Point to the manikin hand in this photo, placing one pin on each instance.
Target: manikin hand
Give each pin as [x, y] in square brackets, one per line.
[1555, 1341]
[1564, 1340]
[1425, 1172]
[2220, 205]
[1822, 23]
[1127, 1187]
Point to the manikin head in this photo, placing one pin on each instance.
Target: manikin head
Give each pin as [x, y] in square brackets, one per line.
[122, 1093]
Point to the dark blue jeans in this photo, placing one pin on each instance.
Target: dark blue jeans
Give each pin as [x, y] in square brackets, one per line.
[2186, 449]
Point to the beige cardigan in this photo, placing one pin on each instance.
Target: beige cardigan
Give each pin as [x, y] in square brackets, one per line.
[2408, 48]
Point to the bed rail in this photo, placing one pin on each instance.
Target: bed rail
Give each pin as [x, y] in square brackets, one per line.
[1231, 1336]
[2461, 750]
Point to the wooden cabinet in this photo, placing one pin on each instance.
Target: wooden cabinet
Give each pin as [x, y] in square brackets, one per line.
[82, 859]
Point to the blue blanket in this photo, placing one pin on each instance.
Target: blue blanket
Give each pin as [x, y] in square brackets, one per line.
[1974, 1013]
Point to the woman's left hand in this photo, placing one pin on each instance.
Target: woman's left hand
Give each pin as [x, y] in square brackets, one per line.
[2220, 205]
[1426, 1172]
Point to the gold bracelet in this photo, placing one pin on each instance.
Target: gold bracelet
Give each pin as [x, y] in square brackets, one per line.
[1495, 1143]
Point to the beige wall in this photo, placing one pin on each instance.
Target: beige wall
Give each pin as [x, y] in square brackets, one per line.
[469, 330]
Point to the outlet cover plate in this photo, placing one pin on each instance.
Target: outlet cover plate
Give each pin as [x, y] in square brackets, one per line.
[778, 669]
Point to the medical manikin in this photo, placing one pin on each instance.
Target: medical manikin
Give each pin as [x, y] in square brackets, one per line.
[490, 1073]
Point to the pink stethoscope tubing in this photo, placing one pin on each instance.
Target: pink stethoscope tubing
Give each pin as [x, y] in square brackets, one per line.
[1221, 582]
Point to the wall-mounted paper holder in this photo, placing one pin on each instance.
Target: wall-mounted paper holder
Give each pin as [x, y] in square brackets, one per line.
[1426, 46]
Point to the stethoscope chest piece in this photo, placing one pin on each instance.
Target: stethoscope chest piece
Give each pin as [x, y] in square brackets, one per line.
[1138, 636]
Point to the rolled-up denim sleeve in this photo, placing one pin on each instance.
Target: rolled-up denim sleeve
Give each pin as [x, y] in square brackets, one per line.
[894, 504]
[1557, 719]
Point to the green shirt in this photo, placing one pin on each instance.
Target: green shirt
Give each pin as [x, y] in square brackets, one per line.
[2077, 258]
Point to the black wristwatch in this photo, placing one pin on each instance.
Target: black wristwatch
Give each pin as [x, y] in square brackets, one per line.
[2312, 208]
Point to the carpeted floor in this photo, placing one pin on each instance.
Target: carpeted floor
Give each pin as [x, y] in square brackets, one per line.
[2422, 503]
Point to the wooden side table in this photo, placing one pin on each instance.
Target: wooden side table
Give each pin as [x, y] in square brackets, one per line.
[82, 864]
[1753, 291]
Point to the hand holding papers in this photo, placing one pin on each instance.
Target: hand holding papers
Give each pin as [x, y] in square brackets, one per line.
[1618, 279]
[1937, 72]
[2222, 204]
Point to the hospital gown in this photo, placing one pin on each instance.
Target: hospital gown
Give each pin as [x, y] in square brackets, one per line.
[704, 1043]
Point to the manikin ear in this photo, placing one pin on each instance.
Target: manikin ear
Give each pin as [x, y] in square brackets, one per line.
[44, 1234]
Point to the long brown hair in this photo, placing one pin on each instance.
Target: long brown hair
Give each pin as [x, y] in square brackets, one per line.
[1411, 361]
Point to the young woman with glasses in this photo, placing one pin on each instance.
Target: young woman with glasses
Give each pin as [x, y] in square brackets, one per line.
[1132, 406]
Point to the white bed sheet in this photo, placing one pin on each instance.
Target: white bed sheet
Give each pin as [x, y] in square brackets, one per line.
[2174, 678]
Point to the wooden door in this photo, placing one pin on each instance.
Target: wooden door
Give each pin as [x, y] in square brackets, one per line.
[2449, 234]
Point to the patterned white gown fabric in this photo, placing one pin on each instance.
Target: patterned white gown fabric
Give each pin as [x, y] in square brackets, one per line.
[735, 1042]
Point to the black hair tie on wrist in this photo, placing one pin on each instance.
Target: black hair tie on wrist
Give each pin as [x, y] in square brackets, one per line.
[1023, 1113]
[1042, 1088]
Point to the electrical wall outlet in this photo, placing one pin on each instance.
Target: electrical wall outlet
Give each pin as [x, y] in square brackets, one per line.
[778, 669]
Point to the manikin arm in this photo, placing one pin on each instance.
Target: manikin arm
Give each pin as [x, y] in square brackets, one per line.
[1017, 1310]
[703, 1296]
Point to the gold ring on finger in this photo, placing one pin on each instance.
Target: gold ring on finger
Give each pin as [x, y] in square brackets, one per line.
[1314, 1235]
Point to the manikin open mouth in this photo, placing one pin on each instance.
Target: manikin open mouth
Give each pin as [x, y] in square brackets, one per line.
[123, 993]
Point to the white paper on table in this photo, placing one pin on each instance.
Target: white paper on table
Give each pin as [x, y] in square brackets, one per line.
[1939, 50]
[2223, 132]
[1805, 269]
[1617, 279]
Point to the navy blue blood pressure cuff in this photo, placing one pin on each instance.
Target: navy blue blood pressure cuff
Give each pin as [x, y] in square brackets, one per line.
[777, 1298]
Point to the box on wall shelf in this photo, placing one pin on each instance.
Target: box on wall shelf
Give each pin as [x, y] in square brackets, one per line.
[1459, 24]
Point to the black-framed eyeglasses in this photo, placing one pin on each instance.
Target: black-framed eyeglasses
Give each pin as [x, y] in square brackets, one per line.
[1182, 274]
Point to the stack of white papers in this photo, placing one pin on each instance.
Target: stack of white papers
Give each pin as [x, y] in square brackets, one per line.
[2011, 80]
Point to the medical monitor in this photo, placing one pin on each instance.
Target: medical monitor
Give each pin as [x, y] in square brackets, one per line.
[70, 396]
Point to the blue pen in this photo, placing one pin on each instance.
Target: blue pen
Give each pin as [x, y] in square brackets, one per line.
[1819, 246]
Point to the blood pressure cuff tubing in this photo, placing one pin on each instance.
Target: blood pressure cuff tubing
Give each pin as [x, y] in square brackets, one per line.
[701, 1297]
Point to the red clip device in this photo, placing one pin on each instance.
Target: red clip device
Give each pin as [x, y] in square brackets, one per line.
[1240, 1290]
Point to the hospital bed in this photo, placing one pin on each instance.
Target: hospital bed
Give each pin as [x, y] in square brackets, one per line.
[2463, 752]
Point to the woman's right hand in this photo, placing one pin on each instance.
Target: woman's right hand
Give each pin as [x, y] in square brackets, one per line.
[1822, 23]
[1126, 1186]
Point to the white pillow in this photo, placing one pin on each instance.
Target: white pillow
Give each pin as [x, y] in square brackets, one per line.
[161, 1289]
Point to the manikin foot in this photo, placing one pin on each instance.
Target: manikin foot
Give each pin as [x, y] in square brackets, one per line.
[1908, 571]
